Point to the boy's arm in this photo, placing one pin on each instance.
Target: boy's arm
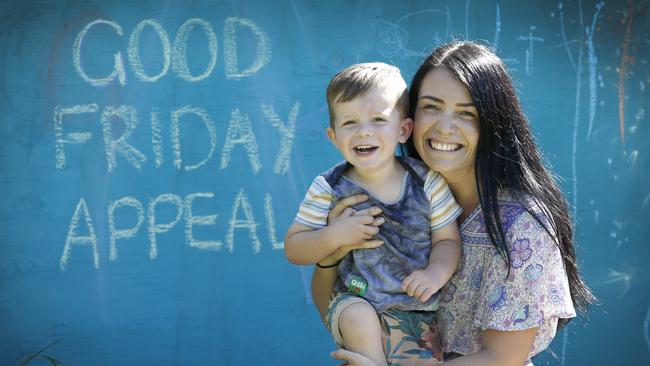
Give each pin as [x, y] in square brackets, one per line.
[304, 245]
[443, 261]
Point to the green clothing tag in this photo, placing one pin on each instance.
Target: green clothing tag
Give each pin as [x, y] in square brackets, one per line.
[358, 286]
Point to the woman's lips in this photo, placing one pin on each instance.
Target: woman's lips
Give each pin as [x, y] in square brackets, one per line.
[443, 146]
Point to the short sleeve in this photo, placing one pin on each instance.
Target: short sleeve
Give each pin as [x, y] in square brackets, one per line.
[535, 293]
[316, 205]
[443, 208]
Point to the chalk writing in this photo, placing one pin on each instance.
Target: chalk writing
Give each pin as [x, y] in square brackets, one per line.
[122, 233]
[74, 239]
[74, 138]
[230, 47]
[176, 140]
[248, 223]
[154, 228]
[240, 132]
[191, 220]
[529, 51]
[120, 145]
[118, 65]
[134, 53]
[287, 131]
[179, 53]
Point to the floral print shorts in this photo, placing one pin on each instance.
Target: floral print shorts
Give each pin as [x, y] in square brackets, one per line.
[410, 338]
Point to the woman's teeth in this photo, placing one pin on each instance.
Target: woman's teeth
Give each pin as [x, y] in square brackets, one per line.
[444, 147]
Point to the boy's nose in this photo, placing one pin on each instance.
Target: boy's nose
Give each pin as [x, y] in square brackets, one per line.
[364, 130]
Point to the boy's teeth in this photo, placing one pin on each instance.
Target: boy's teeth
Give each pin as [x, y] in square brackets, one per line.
[365, 148]
[443, 147]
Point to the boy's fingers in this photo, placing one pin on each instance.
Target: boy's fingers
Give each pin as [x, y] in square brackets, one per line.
[371, 230]
[426, 295]
[378, 221]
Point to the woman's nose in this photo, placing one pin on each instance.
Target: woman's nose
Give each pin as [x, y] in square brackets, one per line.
[445, 125]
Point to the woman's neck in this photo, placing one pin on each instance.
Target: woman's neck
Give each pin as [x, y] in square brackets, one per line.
[463, 187]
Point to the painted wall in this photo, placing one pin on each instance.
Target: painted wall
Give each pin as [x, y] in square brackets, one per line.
[153, 154]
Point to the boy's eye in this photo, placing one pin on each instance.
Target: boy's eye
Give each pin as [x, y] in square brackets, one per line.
[379, 119]
[348, 123]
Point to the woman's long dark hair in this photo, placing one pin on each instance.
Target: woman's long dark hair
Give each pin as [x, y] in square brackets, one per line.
[507, 156]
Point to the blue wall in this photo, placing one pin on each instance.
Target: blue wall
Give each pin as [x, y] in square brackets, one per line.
[153, 154]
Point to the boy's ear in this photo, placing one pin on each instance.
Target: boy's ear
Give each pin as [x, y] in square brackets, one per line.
[405, 130]
[331, 135]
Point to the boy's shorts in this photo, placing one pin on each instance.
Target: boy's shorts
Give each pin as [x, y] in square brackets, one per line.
[410, 338]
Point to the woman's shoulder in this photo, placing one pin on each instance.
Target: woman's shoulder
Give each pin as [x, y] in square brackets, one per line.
[522, 212]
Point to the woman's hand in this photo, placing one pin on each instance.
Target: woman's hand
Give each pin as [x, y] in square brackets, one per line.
[343, 208]
[350, 358]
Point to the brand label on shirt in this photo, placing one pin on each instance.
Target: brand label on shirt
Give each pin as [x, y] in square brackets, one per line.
[358, 286]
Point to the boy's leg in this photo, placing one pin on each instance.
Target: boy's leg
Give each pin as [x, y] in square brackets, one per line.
[361, 331]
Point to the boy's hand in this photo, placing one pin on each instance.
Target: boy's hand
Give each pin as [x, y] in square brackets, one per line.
[422, 283]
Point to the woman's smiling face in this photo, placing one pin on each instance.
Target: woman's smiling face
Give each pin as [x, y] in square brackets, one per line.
[446, 129]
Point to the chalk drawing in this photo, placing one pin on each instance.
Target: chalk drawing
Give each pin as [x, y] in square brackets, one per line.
[592, 62]
[240, 132]
[115, 233]
[129, 115]
[155, 228]
[74, 239]
[646, 330]
[287, 131]
[263, 50]
[529, 51]
[179, 49]
[248, 223]
[270, 223]
[638, 117]
[560, 6]
[565, 341]
[466, 19]
[621, 280]
[393, 38]
[576, 117]
[156, 137]
[118, 63]
[73, 138]
[632, 158]
[191, 221]
[134, 54]
[497, 28]
[176, 140]
[646, 201]
[626, 60]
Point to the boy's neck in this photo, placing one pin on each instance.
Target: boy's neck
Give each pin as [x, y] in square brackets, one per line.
[384, 182]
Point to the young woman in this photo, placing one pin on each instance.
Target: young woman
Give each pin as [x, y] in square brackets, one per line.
[518, 279]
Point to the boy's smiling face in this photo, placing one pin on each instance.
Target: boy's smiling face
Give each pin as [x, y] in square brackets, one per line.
[368, 128]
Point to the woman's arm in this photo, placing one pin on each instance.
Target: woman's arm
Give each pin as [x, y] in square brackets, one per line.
[323, 279]
[500, 348]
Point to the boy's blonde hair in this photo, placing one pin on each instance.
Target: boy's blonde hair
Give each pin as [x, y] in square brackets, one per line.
[358, 79]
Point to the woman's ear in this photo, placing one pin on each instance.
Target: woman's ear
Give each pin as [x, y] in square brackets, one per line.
[405, 130]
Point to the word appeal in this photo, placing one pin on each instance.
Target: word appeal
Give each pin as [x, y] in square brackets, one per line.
[242, 218]
[175, 54]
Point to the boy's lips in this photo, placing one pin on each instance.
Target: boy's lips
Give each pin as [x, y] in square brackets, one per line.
[443, 146]
[364, 150]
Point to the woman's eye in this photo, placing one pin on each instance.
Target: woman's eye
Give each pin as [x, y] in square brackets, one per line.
[467, 114]
[431, 107]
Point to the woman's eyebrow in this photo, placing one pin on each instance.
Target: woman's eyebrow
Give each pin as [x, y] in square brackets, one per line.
[432, 98]
[465, 105]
